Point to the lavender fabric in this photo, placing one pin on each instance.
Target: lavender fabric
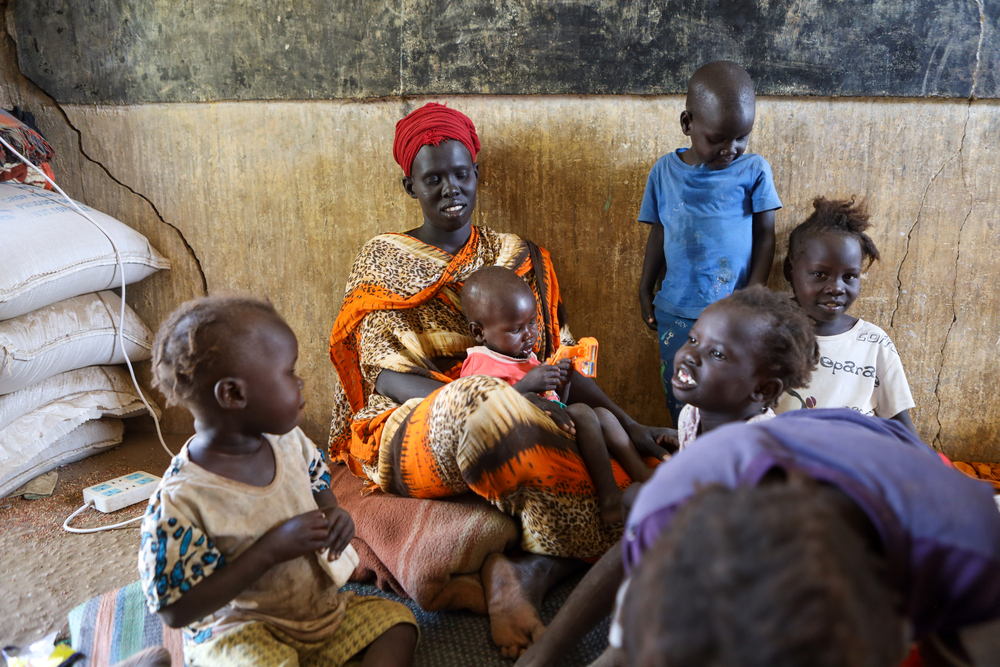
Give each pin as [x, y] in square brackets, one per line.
[940, 529]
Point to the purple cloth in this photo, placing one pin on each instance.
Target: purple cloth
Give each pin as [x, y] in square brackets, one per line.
[940, 529]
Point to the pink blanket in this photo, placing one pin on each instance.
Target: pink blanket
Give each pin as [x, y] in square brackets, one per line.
[428, 550]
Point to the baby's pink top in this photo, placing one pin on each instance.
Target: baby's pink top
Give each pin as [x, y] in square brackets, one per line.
[481, 360]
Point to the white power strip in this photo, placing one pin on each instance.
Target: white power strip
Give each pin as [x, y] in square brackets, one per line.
[121, 492]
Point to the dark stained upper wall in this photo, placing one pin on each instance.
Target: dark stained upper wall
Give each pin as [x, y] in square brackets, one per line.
[140, 51]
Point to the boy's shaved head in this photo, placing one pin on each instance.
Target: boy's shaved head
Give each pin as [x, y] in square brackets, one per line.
[721, 88]
[489, 287]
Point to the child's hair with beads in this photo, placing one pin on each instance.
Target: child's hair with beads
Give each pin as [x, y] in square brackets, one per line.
[839, 217]
[786, 347]
[196, 338]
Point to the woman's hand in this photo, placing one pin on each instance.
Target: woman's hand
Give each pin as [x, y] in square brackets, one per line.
[544, 377]
[557, 414]
[339, 533]
[298, 536]
[652, 441]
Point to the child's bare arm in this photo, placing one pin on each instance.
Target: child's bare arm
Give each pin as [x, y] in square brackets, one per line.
[341, 526]
[904, 418]
[401, 387]
[762, 253]
[295, 537]
[653, 266]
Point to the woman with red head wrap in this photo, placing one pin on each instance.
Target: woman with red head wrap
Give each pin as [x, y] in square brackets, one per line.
[405, 424]
[429, 126]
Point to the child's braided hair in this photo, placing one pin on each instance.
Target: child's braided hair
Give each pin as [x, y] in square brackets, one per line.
[841, 217]
[786, 346]
[193, 339]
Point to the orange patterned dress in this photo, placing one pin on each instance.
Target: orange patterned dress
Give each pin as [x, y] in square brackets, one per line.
[401, 311]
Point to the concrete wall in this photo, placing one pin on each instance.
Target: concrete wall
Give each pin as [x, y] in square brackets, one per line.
[276, 198]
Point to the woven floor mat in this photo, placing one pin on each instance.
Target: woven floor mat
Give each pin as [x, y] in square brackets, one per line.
[462, 639]
[113, 626]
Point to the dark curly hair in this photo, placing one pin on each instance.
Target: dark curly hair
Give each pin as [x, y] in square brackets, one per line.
[785, 346]
[841, 217]
[766, 576]
[194, 339]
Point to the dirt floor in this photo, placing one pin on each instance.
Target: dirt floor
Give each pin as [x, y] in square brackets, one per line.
[44, 570]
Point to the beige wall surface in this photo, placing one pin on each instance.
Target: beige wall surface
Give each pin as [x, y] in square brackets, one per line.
[277, 197]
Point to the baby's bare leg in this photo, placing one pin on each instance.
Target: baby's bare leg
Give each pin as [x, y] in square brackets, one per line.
[594, 453]
[621, 446]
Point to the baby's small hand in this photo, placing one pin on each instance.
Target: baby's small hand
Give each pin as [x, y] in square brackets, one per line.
[541, 378]
[340, 532]
[295, 537]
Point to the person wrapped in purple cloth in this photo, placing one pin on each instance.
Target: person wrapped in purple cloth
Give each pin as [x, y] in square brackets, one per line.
[820, 537]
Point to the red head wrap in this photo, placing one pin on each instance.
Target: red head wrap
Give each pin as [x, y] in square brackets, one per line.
[432, 124]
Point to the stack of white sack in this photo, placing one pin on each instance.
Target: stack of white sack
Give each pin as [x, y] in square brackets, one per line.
[61, 396]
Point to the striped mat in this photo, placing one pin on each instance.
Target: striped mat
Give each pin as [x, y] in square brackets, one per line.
[113, 626]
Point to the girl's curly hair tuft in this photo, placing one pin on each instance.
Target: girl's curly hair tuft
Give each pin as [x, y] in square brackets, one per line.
[842, 217]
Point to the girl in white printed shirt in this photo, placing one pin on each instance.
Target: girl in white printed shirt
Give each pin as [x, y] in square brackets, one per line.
[859, 366]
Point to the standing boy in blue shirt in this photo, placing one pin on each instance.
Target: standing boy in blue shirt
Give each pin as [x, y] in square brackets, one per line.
[710, 209]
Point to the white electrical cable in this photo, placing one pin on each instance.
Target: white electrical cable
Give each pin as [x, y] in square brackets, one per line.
[121, 334]
[72, 516]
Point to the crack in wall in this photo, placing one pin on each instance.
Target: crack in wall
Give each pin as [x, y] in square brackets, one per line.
[954, 287]
[913, 226]
[947, 337]
[402, 45]
[959, 155]
[156, 211]
[79, 137]
[920, 208]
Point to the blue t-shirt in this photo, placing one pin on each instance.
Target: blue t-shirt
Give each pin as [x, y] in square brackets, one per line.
[940, 529]
[707, 218]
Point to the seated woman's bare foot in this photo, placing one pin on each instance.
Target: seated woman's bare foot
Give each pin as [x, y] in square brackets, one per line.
[611, 507]
[512, 601]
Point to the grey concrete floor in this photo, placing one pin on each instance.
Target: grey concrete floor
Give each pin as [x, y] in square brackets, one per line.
[45, 571]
